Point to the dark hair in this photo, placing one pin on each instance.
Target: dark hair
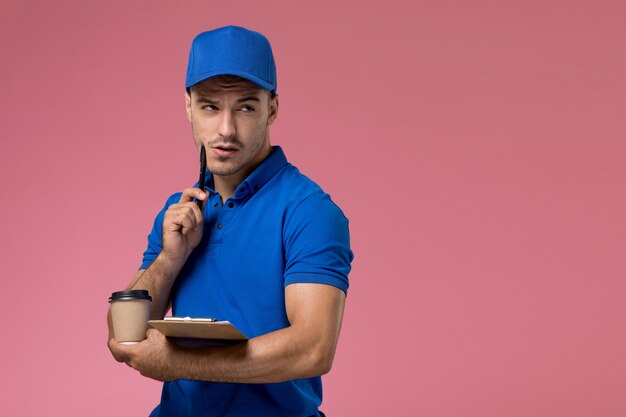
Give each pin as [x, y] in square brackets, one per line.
[228, 78]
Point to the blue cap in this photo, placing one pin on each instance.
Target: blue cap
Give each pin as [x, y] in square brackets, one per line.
[232, 50]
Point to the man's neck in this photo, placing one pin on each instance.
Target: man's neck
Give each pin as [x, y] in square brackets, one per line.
[226, 185]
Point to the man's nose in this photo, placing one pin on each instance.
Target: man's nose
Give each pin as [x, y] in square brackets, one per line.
[226, 127]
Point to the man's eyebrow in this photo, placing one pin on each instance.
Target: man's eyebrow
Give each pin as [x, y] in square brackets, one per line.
[248, 98]
[202, 99]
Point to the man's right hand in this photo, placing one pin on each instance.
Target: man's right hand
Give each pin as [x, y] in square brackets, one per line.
[182, 227]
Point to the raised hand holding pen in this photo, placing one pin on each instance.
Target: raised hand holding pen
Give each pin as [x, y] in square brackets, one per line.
[183, 222]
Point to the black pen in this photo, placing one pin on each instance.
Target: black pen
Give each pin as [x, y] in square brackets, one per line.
[202, 171]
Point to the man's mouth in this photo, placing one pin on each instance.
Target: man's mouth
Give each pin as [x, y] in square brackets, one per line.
[224, 150]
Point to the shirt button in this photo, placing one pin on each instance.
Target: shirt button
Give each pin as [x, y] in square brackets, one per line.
[231, 204]
[215, 205]
[219, 226]
[242, 189]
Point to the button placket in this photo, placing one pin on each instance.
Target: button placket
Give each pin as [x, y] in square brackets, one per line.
[223, 218]
[213, 217]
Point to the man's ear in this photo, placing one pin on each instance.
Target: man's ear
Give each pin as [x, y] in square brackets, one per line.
[188, 105]
[273, 110]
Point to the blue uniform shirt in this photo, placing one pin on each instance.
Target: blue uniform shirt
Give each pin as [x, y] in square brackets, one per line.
[279, 228]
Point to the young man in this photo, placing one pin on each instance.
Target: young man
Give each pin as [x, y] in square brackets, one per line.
[268, 252]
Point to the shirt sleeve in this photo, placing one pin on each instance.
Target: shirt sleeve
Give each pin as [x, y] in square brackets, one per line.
[155, 242]
[317, 244]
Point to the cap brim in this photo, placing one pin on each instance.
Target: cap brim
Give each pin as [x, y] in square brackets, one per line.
[261, 83]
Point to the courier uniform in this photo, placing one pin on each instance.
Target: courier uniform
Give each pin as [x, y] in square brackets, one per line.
[279, 228]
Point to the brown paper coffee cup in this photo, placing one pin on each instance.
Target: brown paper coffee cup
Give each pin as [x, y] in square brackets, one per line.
[130, 312]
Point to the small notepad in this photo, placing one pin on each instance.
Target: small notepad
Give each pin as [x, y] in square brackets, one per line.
[197, 328]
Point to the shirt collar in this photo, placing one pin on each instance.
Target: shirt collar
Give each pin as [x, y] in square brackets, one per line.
[269, 167]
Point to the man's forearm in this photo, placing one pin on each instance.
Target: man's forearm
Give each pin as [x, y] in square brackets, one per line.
[158, 279]
[279, 356]
[304, 349]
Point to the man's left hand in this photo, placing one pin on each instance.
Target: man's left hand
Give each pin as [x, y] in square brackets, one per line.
[153, 357]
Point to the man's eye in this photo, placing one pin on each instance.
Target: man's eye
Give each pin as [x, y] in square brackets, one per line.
[208, 107]
[247, 108]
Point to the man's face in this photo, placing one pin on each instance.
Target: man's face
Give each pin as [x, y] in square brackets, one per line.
[231, 116]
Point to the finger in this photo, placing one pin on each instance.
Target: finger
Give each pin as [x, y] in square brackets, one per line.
[197, 213]
[188, 222]
[118, 351]
[181, 218]
[190, 193]
[154, 335]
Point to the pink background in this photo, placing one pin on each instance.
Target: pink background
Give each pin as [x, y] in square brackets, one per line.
[478, 148]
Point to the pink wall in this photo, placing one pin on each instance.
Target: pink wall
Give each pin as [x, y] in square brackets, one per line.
[478, 148]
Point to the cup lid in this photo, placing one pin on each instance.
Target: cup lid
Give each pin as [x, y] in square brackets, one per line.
[130, 295]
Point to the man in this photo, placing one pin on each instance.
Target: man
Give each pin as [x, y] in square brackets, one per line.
[269, 252]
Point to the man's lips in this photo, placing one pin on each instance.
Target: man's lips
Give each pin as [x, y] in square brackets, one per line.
[224, 150]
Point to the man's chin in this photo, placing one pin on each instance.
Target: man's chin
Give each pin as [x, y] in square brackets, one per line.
[224, 169]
